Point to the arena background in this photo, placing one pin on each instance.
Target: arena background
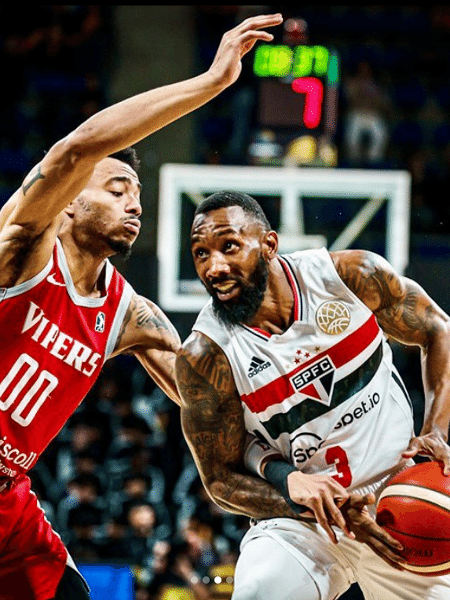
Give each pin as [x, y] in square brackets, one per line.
[118, 483]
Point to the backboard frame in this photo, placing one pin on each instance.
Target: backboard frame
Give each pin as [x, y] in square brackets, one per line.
[291, 184]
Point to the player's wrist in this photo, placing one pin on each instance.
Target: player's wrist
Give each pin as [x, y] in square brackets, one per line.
[257, 454]
[277, 472]
[214, 80]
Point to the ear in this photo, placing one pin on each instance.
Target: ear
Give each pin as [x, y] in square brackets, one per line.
[70, 209]
[270, 245]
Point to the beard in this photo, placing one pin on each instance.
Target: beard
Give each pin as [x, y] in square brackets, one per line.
[120, 248]
[243, 308]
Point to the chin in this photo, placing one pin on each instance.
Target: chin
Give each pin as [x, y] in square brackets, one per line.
[121, 247]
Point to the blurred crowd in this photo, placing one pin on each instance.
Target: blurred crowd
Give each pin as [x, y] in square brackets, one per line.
[119, 483]
[56, 62]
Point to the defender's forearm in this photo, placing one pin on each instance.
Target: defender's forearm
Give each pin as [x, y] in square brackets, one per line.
[131, 120]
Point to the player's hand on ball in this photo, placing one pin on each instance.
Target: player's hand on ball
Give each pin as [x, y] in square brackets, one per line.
[226, 66]
[432, 445]
[323, 496]
[367, 531]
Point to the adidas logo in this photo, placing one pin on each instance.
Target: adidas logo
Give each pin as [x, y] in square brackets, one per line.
[257, 365]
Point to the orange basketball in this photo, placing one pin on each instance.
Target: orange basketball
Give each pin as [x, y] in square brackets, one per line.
[415, 509]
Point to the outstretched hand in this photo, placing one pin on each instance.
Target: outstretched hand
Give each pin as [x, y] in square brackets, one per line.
[227, 66]
[432, 445]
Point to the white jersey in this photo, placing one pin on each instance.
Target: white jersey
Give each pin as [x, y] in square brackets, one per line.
[325, 392]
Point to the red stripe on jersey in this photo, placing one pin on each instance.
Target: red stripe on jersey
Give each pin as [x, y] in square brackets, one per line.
[341, 353]
[265, 334]
[294, 289]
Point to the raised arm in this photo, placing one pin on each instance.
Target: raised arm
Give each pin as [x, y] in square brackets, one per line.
[406, 313]
[66, 168]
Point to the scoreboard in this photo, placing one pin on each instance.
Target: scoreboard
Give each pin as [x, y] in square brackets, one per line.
[297, 87]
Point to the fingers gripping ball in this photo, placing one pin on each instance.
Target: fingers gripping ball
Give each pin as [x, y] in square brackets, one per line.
[415, 509]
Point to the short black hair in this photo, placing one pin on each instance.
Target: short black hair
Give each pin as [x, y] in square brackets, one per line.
[129, 156]
[227, 198]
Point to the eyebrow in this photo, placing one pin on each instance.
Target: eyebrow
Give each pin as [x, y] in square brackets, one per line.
[124, 179]
[228, 230]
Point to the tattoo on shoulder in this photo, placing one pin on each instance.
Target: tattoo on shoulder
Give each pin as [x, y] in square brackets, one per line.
[207, 367]
[414, 318]
[404, 311]
[149, 316]
[38, 175]
[371, 279]
[125, 322]
[145, 317]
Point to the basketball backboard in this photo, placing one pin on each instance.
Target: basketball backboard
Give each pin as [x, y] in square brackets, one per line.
[309, 207]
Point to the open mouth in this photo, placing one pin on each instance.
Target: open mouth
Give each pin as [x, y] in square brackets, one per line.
[225, 290]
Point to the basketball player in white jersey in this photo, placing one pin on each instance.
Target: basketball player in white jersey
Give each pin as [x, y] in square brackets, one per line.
[64, 309]
[294, 350]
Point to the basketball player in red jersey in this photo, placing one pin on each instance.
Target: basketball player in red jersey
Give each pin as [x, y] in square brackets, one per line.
[64, 309]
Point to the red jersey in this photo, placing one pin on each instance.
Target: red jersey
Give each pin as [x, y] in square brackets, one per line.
[53, 344]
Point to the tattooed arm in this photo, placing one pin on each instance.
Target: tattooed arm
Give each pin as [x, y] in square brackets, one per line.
[407, 314]
[148, 335]
[213, 424]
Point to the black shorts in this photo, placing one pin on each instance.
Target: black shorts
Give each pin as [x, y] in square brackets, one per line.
[72, 587]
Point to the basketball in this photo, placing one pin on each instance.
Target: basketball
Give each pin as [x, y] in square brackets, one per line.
[414, 508]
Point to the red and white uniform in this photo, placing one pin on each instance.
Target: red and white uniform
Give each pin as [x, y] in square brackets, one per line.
[324, 393]
[53, 344]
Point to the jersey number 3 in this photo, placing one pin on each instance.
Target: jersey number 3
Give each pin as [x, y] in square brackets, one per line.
[20, 374]
[337, 456]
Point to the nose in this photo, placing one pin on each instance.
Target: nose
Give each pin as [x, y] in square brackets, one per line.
[134, 206]
[217, 266]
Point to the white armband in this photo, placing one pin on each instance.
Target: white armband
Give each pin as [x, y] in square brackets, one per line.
[256, 452]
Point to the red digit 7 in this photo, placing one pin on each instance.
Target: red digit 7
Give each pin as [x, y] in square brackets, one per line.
[338, 456]
[313, 90]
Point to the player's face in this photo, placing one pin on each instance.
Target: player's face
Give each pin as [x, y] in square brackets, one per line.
[227, 248]
[109, 207]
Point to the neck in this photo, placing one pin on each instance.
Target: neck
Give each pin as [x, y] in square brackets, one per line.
[85, 267]
[276, 313]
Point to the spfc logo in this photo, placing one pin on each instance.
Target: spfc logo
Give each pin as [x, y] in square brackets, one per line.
[333, 317]
[100, 322]
[316, 381]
